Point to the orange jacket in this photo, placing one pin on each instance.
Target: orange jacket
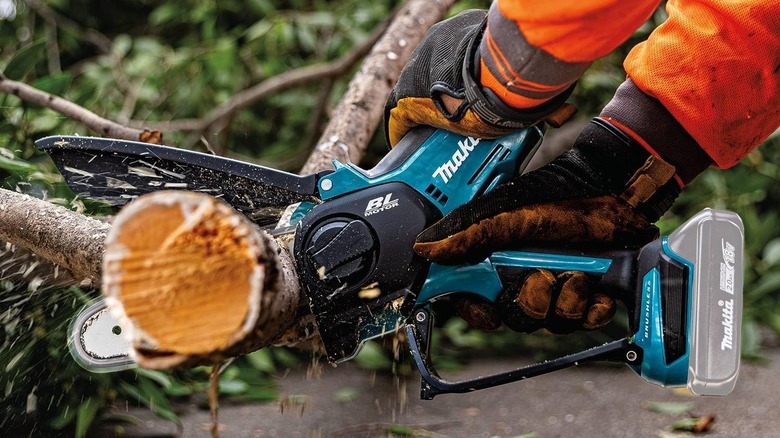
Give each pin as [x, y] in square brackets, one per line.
[713, 64]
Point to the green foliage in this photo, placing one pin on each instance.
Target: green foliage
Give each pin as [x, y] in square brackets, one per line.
[45, 392]
[24, 61]
[183, 61]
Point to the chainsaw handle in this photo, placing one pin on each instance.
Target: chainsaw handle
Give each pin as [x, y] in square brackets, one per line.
[613, 271]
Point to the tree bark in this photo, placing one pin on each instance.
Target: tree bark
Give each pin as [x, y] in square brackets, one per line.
[356, 117]
[57, 234]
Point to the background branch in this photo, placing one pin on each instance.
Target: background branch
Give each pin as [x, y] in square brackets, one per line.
[86, 117]
[50, 16]
[357, 115]
[275, 84]
[133, 128]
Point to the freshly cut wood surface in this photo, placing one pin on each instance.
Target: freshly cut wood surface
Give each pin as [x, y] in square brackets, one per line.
[186, 274]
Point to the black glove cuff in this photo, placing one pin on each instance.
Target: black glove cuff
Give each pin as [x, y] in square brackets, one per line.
[615, 157]
[488, 106]
[651, 121]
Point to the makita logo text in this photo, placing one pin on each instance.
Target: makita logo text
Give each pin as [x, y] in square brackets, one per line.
[727, 267]
[380, 204]
[727, 321]
[448, 169]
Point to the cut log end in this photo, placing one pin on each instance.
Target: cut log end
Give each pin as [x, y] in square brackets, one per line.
[181, 271]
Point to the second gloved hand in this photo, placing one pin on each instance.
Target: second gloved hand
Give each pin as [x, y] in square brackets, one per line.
[440, 87]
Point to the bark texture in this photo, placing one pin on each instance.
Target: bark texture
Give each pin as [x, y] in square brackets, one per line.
[54, 233]
[356, 117]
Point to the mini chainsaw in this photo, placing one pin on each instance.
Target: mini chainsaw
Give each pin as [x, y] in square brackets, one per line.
[354, 229]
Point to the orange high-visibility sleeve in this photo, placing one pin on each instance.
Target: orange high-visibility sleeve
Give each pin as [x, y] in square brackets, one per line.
[533, 50]
[715, 66]
[577, 30]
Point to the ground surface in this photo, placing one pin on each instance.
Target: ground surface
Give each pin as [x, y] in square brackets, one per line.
[588, 401]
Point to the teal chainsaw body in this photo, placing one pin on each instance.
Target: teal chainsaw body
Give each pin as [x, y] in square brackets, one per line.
[354, 231]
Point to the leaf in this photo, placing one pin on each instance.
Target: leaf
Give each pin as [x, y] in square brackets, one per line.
[24, 60]
[670, 408]
[85, 416]
[258, 29]
[158, 376]
[232, 387]
[307, 38]
[694, 424]
[285, 357]
[400, 430]
[461, 335]
[176, 389]
[54, 84]
[750, 348]
[372, 357]
[769, 284]
[260, 395]
[223, 57]
[46, 121]
[152, 397]
[158, 403]
[122, 45]
[261, 7]
[164, 13]
[262, 360]
[16, 165]
[121, 418]
[345, 395]
[64, 418]
[772, 252]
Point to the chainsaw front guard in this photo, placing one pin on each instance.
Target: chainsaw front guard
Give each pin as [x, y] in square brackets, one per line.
[431, 385]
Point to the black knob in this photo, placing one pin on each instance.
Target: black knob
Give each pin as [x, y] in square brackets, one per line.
[342, 252]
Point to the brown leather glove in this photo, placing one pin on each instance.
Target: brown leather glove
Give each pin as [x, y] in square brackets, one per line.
[604, 193]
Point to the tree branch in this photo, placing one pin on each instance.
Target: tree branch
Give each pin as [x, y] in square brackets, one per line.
[357, 115]
[242, 99]
[97, 39]
[275, 84]
[194, 281]
[57, 234]
[82, 115]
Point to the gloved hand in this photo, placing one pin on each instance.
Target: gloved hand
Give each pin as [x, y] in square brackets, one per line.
[439, 87]
[605, 192]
